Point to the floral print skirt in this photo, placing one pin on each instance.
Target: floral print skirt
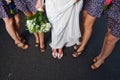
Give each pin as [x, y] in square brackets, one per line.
[113, 18]
[25, 6]
[94, 7]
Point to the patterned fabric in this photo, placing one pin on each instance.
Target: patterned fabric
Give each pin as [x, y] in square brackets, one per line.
[25, 5]
[1, 3]
[94, 7]
[113, 18]
[4, 10]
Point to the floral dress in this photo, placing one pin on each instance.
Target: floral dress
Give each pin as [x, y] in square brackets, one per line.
[5, 10]
[113, 18]
[94, 7]
[25, 5]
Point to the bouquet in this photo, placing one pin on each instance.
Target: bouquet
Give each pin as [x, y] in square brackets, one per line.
[11, 7]
[38, 23]
[106, 4]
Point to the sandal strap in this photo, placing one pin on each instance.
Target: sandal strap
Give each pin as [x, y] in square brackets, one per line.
[42, 49]
[22, 45]
[77, 53]
[76, 46]
[94, 66]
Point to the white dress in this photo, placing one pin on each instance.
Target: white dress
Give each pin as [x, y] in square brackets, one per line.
[64, 17]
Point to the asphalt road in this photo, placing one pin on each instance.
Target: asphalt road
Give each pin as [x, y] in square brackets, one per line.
[31, 64]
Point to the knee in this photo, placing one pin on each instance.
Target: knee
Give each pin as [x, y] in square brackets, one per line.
[28, 14]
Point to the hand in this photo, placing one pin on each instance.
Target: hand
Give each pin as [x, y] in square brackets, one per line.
[39, 5]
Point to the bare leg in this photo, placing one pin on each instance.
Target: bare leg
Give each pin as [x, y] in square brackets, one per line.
[17, 22]
[36, 35]
[17, 27]
[76, 46]
[41, 39]
[28, 14]
[104, 43]
[87, 25]
[11, 31]
[84, 14]
[37, 41]
[10, 28]
[108, 46]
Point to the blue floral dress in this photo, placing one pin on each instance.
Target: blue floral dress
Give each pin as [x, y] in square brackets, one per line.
[25, 5]
[94, 7]
[113, 18]
[5, 10]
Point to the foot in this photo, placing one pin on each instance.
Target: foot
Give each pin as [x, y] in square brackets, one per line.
[22, 45]
[60, 53]
[76, 53]
[76, 46]
[97, 64]
[54, 53]
[42, 47]
[37, 44]
[96, 58]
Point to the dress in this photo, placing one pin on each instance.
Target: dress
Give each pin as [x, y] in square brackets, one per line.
[4, 10]
[25, 5]
[64, 17]
[113, 18]
[94, 7]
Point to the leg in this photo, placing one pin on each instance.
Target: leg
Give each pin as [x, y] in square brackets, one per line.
[11, 31]
[37, 41]
[87, 25]
[42, 44]
[104, 43]
[17, 22]
[108, 46]
[84, 14]
[17, 27]
[28, 14]
[88, 22]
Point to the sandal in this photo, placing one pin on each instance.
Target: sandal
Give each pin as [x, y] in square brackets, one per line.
[60, 55]
[54, 54]
[42, 49]
[76, 46]
[22, 45]
[95, 59]
[76, 54]
[94, 66]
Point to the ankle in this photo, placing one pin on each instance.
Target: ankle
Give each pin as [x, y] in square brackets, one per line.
[17, 41]
[42, 44]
